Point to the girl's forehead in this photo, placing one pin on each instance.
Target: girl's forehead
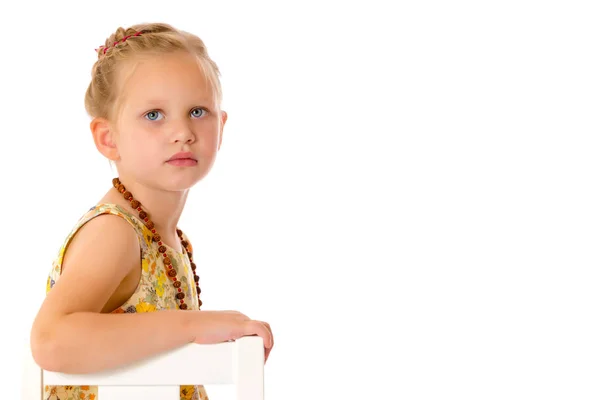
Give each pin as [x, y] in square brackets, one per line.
[163, 69]
[159, 78]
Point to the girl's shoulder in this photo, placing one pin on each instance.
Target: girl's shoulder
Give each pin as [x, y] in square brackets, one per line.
[115, 209]
[109, 208]
[144, 234]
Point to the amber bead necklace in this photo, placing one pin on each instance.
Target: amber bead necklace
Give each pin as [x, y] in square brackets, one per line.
[171, 273]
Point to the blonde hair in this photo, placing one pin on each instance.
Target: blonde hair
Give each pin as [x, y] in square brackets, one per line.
[102, 98]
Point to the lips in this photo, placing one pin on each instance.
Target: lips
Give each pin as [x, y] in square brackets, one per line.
[182, 159]
[183, 156]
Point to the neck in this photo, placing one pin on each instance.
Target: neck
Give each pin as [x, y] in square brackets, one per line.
[164, 208]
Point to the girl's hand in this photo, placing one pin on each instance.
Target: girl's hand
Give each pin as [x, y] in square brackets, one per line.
[210, 327]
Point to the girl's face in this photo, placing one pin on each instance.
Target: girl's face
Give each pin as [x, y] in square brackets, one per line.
[169, 128]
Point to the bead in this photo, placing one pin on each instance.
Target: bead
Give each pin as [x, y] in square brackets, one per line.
[179, 233]
[180, 296]
[193, 266]
[177, 284]
[153, 230]
[156, 237]
[150, 224]
[184, 243]
[167, 261]
[162, 249]
[183, 306]
[199, 303]
[196, 278]
[198, 290]
[121, 187]
[143, 214]
[135, 203]
[115, 181]
[127, 195]
[172, 273]
[179, 289]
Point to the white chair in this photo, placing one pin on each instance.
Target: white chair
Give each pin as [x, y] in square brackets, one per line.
[239, 362]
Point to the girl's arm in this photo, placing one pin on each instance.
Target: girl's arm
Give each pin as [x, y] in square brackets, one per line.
[71, 335]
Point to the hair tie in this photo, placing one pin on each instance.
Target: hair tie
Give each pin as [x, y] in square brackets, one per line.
[117, 42]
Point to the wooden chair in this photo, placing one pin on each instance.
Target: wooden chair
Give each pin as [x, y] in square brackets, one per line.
[239, 362]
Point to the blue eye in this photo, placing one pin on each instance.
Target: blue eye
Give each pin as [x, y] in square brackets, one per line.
[152, 115]
[196, 114]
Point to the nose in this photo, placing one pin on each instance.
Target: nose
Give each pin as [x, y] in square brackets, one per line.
[183, 133]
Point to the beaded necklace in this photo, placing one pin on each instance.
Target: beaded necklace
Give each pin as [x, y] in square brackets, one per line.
[171, 273]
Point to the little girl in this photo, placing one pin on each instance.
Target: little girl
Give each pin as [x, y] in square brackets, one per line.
[154, 100]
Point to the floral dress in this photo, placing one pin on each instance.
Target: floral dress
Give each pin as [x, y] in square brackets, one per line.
[153, 292]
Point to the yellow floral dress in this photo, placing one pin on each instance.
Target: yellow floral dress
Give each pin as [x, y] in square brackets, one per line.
[153, 293]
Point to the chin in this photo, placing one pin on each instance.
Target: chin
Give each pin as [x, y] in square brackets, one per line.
[170, 179]
[181, 181]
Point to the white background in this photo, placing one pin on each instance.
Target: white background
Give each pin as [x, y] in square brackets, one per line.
[407, 191]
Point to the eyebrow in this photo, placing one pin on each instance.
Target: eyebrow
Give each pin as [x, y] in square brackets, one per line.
[158, 102]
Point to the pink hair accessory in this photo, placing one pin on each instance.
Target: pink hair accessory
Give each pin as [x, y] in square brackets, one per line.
[119, 41]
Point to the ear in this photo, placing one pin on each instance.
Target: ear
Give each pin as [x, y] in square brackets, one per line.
[104, 138]
[223, 121]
